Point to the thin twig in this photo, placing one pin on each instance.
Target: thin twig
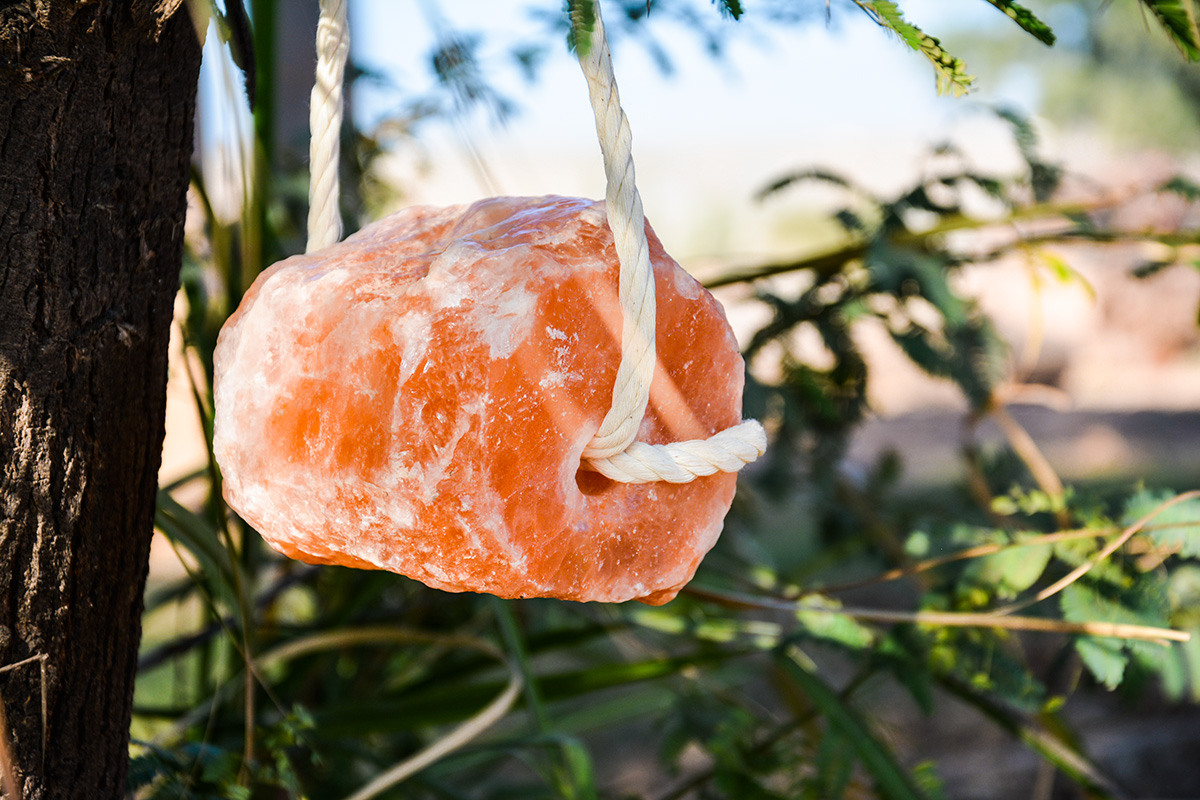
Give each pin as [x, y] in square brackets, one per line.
[831, 261]
[955, 619]
[1028, 451]
[370, 635]
[1078, 235]
[41, 658]
[22, 662]
[452, 741]
[960, 619]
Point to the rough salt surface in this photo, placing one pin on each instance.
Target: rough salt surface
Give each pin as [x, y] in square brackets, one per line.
[417, 397]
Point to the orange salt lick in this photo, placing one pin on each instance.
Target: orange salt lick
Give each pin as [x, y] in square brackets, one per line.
[417, 397]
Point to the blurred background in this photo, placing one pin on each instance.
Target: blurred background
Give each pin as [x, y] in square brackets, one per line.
[970, 318]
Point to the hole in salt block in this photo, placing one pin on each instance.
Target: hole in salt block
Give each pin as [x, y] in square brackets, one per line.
[593, 483]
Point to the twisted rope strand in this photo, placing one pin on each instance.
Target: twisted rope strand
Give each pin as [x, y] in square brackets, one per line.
[325, 123]
[613, 451]
[631, 392]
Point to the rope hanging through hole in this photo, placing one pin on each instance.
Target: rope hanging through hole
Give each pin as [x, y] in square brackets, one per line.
[612, 451]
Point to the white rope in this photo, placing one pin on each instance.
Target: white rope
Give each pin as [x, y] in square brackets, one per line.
[325, 123]
[613, 451]
[631, 392]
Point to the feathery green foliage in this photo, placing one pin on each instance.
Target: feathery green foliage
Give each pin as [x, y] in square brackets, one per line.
[1174, 527]
[581, 19]
[1178, 19]
[951, 75]
[1026, 19]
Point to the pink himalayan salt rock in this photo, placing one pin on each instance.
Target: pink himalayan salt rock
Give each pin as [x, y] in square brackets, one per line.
[417, 397]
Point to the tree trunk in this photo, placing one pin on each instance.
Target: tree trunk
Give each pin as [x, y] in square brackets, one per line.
[96, 105]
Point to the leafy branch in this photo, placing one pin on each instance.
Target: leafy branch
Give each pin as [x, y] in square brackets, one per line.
[1178, 19]
[951, 75]
[1026, 19]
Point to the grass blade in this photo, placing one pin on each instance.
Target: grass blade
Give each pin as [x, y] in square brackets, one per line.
[893, 780]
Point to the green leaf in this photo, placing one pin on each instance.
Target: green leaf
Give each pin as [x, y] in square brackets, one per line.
[1144, 604]
[951, 78]
[1191, 656]
[581, 19]
[1183, 589]
[233, 791]
[1178, 18]
[1005, 506]
[1044, 178]
[927, 778]
[1026, 19]
[1010, 571]
[1182, 186]
[891, 779]
[983, 661]
[827, 624]
[1080, 551]
[990, 186]
[971, 354]
[577, 769]
[1104, 658]
[197, 536]
[237, 33]
[1183, 519]
[578, 763]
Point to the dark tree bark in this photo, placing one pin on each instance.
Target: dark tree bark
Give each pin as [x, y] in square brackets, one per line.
[96, 106]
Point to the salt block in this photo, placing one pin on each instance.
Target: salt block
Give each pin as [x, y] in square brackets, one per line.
[417, 397]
